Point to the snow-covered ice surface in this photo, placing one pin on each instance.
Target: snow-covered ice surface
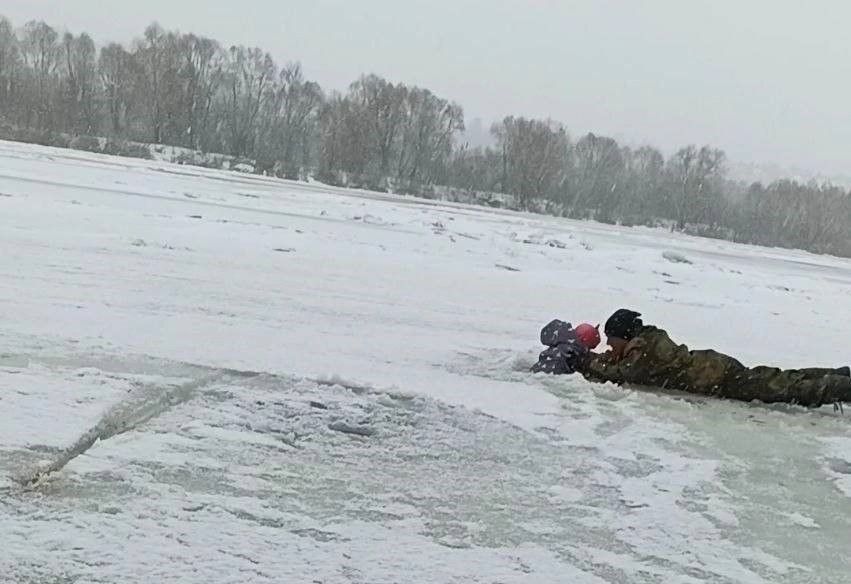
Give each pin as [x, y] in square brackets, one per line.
[321, 385]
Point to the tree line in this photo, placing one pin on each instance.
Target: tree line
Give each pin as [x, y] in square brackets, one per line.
[184, 90]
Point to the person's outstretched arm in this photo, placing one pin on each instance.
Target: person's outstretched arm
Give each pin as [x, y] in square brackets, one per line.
[630, 369]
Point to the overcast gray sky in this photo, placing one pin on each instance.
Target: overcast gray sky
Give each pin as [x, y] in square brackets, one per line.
[766, 80]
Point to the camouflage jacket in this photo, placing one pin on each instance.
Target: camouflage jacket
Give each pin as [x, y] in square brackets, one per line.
[653, 359]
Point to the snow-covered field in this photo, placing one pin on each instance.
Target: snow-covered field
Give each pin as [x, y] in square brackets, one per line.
[326, 386]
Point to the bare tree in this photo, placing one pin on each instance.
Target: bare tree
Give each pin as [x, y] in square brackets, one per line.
[202, 71]
[9, 65]
[149, 55]
[294, 112]
[41, 52]
[428, 133]
[158, 67]
[695, 175]
[598, 167]
[533, 154]
[249, 74]
[79, 79]
[117, 72]
[382, 105]
[644, 184]
[344, 140]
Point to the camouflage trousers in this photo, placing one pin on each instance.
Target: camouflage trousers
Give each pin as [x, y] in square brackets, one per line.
[808, 387]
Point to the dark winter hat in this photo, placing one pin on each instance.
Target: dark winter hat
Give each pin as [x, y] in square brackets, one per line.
[624, 324]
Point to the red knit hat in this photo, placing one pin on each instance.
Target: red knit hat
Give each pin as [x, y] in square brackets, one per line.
[588, 335]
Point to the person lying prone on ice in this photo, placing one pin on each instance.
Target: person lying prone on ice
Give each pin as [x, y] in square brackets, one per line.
[645, 355]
